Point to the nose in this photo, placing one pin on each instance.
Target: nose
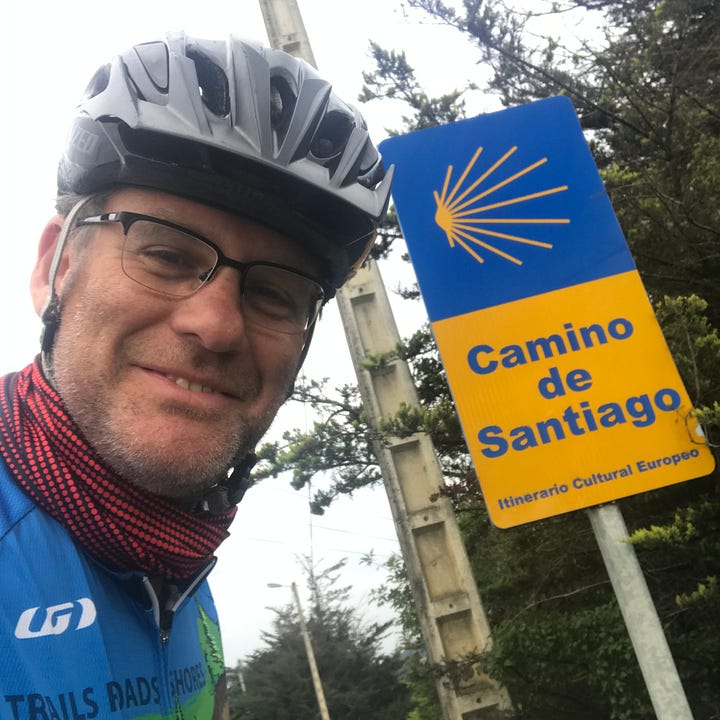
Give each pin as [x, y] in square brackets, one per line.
[213, 314]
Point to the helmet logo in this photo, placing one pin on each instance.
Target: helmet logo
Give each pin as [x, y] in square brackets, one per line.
[83, 141]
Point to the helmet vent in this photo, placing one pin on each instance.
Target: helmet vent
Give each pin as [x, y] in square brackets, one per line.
[331, 137]
[212, 83]
[371, 170]
[98, 82]
[282, 106]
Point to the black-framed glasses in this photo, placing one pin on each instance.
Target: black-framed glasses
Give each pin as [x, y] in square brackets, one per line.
[175, 261]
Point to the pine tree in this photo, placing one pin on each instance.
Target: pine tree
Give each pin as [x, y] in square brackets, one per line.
[360, 680]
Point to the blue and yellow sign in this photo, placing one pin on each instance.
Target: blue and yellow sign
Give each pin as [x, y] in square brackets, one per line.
[564, 385]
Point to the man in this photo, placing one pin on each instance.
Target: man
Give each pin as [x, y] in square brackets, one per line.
[212, 196]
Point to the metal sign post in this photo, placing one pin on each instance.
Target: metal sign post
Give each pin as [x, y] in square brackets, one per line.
[648, 639]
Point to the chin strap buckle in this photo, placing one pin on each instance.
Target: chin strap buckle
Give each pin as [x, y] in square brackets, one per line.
[223, 497]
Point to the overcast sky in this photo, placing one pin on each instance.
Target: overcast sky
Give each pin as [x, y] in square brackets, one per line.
[47, 56]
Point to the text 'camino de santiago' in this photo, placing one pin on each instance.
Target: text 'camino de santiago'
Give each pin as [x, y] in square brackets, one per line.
[576, 419]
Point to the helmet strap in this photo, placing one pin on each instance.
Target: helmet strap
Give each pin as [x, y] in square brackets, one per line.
[50, 314]
[223, 496]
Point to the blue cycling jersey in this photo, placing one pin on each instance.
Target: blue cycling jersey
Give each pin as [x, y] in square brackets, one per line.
[80, 641]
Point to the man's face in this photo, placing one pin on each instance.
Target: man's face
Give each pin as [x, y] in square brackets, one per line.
[169, 391]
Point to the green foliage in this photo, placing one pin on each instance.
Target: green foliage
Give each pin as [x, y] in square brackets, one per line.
[695, 346]
[341, 444]
[570, 665]
[684, 529]
[360, 681]
[395, 79]
[559, 642]
[379, 361]
[418, 675]
[396, 593]
[707, 592]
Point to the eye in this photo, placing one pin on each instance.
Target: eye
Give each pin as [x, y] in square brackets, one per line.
[167, 252]
[168, 261]
[280, 298]
[270, 297]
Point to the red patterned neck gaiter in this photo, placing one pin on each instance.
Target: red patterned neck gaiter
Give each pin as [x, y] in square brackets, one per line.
[120, 524]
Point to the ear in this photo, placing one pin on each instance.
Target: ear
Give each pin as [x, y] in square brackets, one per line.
[39, 280]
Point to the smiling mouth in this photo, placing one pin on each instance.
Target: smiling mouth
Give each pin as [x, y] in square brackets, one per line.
[192, 386]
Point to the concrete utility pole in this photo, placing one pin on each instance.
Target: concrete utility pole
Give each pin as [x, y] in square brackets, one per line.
[451, 614]
[452, 618]
[285, 28]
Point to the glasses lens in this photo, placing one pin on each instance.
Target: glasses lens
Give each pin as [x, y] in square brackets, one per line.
[279, 299]
[165, 259]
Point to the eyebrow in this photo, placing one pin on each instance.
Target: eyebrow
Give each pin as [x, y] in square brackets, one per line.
[164, 213]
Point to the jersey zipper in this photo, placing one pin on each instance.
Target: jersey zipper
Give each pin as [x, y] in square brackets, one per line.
[172, 598]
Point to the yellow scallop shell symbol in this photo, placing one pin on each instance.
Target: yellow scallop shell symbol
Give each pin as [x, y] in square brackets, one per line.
[463, 221]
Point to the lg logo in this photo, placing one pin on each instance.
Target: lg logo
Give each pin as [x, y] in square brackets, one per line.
[58, 618]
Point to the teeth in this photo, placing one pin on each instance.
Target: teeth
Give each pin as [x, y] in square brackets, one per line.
[193, 386]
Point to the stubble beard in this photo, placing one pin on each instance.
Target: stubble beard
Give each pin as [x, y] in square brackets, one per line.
[162, 471]
[161, 467]
[157, 466]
